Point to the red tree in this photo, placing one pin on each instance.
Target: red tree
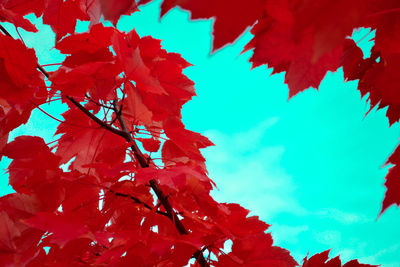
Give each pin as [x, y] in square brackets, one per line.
[116, 205]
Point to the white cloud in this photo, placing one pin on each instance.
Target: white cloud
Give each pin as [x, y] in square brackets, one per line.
[287, 233]
[330, 238]
[343, 217]
[375, 258]
[249, 173]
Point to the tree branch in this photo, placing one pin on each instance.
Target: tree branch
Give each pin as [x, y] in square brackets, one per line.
[138, 201]
[94, 118]
[198, 255]
[5, 31]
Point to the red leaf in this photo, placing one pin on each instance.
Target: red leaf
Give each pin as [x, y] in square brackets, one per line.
[8, 232]
[231, 17]
[392, 194]
[150, 144]
[188, 141]
[321, 260]
[113, 9]
[64, 227]
[135, 111]
[381, 81]
[97, 38]
[62, 16]
[328, 29]
[276, 44]
[238, 224]
[3, 142]
[11, 118]
[16, 19]
[25, 147]
[256, 251]
[355, 263]
[98, 78]
[351, 60]
[32, 169]
[19, 206]
[88, 142]
[20, 78]
[36, 172]
[24, 7]
[126, 48]
[317, 260]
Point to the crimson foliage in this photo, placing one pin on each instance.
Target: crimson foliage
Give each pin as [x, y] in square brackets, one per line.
[118, 206]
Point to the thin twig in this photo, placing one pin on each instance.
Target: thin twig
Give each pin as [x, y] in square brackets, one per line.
[198, 255]
[136, 200]
[97, 103]
[94, 118]
[5, 31]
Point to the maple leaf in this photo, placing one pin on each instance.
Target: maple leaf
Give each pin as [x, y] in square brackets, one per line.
[256, 251]
[328, 29]
[172, 154]
[186, 140]
[24, 7]
[82, 199]
[321, 260]
[87, 142]
[62, 16]
[158, 88]
[16, 19]
[351, 60]
[392, 183]
[95, 78]
[20, 78]
[113, 9]
[385, 41]
[135, 111]
[380, 81]
[35, 170]
[150, 144]
[232, 18]
[8, 232]
[11, 118]
[63, 227]
[25, 152]
[97, 38]
[90, 67]
[235, 221]
[20, 206]
[275, 43]
[126, 48]
[22, 85]
[102, 211]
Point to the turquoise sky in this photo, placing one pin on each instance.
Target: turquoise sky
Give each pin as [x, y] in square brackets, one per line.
[312, 166]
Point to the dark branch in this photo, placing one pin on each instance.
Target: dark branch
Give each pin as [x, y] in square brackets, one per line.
[5, 31]
[94, 118]
[198, 255]
[138, 154]
[97, 103]
[136, 200]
